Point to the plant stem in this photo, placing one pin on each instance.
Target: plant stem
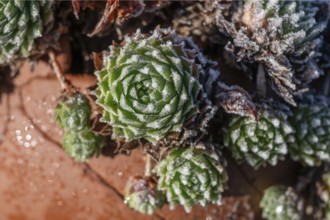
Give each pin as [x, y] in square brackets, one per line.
[147, 171]
[261, 81]
[58, 70]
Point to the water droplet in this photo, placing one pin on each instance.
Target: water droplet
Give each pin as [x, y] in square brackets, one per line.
[59, 203]
[85, 191]
[56, 165]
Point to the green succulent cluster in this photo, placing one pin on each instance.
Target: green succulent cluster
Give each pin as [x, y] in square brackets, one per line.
[149, 87]
[79, 140]
[142, 195]
[192, 175]
[258, 141]
[280, 203]
[312, 137]
[21, 22]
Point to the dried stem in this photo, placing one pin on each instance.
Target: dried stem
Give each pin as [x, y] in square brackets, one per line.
[58, 71]
[261, 81]
[147, 171]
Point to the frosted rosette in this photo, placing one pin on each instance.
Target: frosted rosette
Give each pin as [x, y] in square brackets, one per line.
[21, 23]
[258, 141]
[153, 85]
[192, 175]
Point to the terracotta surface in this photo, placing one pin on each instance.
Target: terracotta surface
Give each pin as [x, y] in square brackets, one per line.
[39, 182]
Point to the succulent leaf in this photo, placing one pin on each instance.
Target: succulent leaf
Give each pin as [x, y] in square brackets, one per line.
[280, 203]
[151, 86]
[258, 141]
[192, 175]
[142, 195]
[21, 22]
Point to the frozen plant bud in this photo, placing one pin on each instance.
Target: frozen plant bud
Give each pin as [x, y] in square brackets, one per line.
[282, 36]
[142, 195]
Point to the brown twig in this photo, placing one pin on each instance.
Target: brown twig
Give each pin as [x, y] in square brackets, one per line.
[65, 85]
[148, 167]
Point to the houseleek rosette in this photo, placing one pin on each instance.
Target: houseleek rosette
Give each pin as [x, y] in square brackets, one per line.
[142, 195]
[21, 22]
[149, 87]
[258, 141]
[192, 175]
[82, 145]
[312, 124]
[73, 114]
[281, 203]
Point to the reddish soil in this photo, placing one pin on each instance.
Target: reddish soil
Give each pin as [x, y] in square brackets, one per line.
[38, 181]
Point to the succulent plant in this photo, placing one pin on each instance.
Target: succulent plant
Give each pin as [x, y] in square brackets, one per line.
[142, 195]
[281, 36]
[153, 85]
[192, 175]
[281, 203]
[73, 113]
[82, 145]
[21, 22]
[258, 141]
[311, 120]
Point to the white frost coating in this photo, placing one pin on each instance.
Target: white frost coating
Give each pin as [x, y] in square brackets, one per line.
[287, 129]
[243, 145]
[283, 149]
[235, 135]
[133, 59]
[276, 122]
[264, 154]
[316, 122]
[279, 139]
